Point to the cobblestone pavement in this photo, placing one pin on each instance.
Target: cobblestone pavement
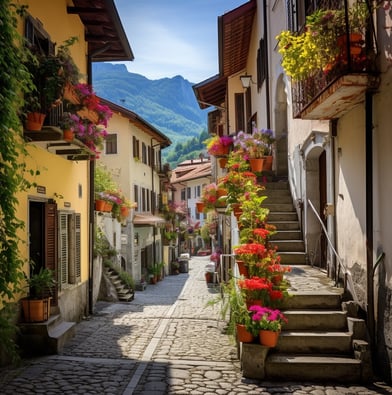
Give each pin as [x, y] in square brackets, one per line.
[167, 341]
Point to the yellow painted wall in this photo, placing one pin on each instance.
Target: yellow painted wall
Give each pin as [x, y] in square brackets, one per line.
[57, 174]
[61, 26]
[61, 177]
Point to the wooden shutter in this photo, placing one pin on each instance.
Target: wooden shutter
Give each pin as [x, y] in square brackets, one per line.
[239, 112]
[74, 267]
[63, 249]
[50, 239]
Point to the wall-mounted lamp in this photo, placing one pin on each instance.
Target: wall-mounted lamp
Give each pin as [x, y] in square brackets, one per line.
[246, 80]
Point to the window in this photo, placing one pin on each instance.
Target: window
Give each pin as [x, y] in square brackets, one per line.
[239, 112]
[143, 199]
[69, 248]
[136, 147]
[188, 193]
[248, 98]
[38, 37]
[197, 191]
[111, 144]
[144, 153]
[183, 194]
[136, 196]
[261, 63]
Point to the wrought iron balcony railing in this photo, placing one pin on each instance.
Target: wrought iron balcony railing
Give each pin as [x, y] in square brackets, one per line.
[340, 83]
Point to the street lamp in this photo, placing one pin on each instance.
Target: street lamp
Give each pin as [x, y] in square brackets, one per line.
[246, 80]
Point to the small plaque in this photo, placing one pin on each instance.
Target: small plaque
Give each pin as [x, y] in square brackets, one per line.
[41, 189]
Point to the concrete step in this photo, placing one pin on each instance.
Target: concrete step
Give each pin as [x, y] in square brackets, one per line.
[313, 368]
[277, 200]
[277, 185]
[46, 337]
[287, 235]
[278, 207]
[316, 320]
[292, 258]
[312, 300]
[313, 342]
[60, 334]
[282, 216]
[285, 225]
[289, 245]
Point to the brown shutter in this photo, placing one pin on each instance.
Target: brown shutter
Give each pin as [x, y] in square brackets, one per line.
[63, 249]
[74, 249]
[51, 243]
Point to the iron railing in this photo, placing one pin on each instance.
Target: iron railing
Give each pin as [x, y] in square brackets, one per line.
[351, 58]
[341, 267]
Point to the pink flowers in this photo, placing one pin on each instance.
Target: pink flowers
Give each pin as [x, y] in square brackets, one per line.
[91, 119]
[264, 318]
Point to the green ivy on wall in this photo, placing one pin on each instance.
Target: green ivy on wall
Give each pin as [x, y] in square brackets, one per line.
[15, 81]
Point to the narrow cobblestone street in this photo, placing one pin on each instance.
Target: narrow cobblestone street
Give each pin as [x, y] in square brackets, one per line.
[167, 341]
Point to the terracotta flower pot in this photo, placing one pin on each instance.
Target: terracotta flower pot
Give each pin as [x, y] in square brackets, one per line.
[267, 165]
[124, 211]
[100, 205]
[222, 162]
[243, 335]
[108, 207]
[268, 338]
[68, 135]
[199, 207]
[256, 164]
[242, 268]
[35, 121]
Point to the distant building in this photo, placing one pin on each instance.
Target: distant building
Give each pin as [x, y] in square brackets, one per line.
[188, 180]
[132, 154]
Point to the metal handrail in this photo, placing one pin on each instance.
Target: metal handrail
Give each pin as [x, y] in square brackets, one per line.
[347, 275]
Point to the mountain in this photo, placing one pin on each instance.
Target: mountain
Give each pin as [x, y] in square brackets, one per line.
[168, 104]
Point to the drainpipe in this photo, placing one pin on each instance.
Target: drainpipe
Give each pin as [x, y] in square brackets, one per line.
[267, 86]
[91, 235]
[334, 133]
[369, 213]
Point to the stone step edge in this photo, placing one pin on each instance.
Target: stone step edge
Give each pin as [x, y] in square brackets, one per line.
[311, 359]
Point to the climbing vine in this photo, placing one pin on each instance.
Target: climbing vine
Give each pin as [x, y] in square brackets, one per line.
[15, 80]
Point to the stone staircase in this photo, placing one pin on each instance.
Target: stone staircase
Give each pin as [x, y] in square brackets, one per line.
[43, 338]
[288, 239]
[323, 340]
[124, 293]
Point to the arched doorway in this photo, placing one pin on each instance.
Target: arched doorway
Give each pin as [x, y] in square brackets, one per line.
[316, 196]
[280, 113]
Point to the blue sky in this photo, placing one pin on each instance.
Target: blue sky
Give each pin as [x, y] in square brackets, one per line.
[174, 37]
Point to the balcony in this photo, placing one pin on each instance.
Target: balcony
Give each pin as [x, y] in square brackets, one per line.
[324, 97]
[51, 138]
[343, 45]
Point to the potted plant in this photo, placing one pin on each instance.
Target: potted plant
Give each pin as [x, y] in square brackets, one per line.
[256, 290]
[267, 324]
[36, 307]
[239, 317]
[323, 42]
[219, 145]
[68, 123]
[50, 74]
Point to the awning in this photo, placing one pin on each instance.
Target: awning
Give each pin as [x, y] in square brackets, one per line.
[148, 219]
